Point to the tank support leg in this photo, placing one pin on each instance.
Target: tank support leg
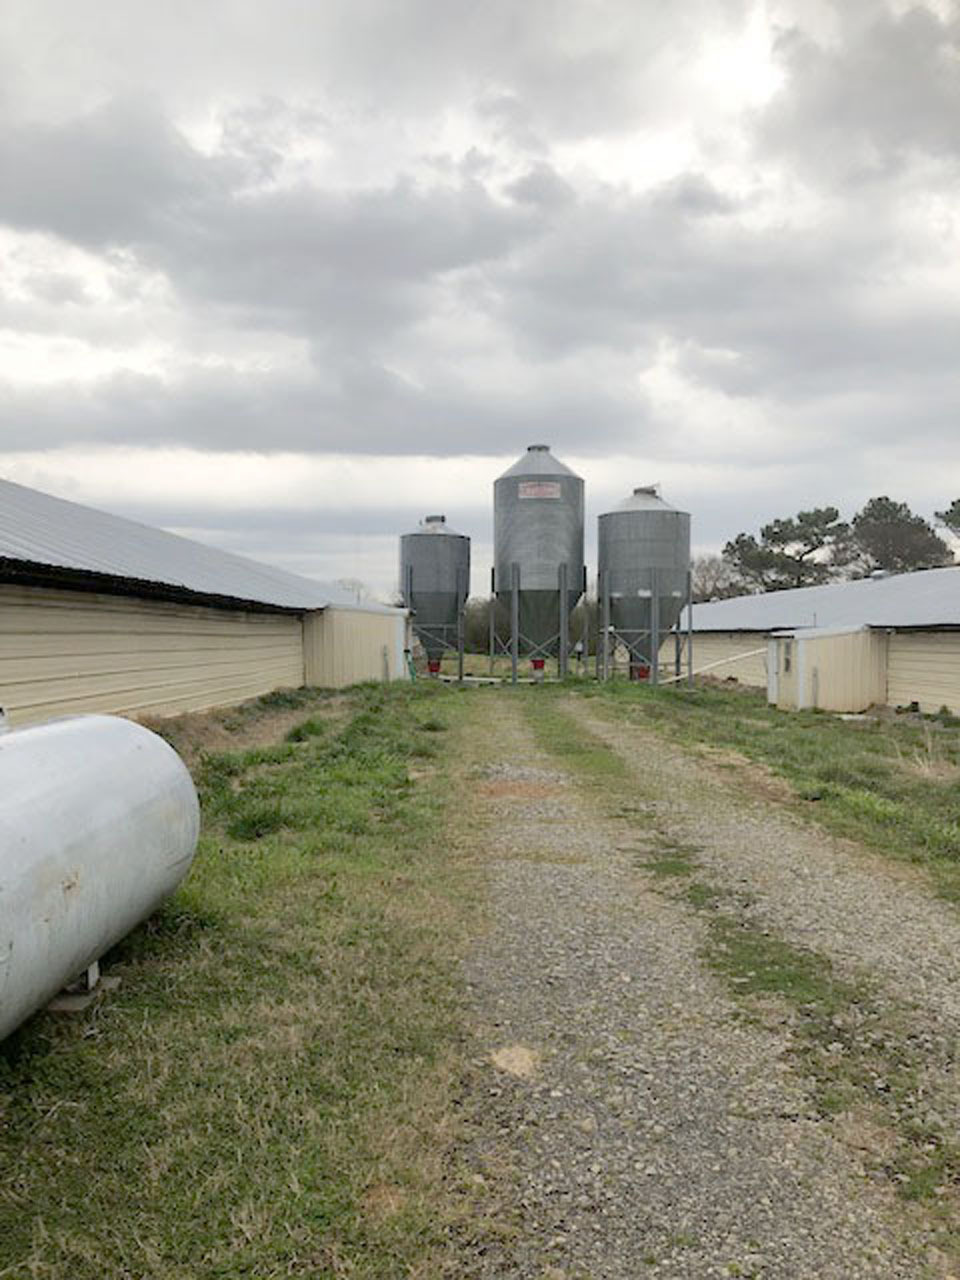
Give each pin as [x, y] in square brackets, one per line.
[493, 617]
[605, 628]
[689, 630]
[564, 637]
[462, 589]
[655, 627]
[514, 621]
[596, 655]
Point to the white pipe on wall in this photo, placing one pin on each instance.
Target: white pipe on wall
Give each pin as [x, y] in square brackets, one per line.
[98, 824]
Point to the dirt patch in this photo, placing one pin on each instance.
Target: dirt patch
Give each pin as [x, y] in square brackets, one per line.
[521, 790]
[236, 728]
[516, 1060]
[864, 1131]
[755, 777]
[385, 1201]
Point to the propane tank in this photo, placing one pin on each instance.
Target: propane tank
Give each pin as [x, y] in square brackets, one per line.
[98, 825]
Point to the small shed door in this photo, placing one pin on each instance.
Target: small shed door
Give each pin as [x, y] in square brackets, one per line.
[787, 662]
[773, 671]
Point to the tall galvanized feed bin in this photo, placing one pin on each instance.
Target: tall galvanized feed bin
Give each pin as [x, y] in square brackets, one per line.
[644, 562]
[538, 541]
[435, 582]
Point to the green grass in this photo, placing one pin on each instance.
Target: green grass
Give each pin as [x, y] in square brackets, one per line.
[313, 728]
[556, 731]
[263, 1095]
[757, 961]
[893, 783]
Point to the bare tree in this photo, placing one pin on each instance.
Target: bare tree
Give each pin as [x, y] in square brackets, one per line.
[715, 579]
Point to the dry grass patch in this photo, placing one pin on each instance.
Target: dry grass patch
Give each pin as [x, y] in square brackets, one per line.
[260, 722]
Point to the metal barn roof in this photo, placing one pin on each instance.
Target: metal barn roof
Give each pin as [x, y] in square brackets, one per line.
[928, 598]
[51, 533]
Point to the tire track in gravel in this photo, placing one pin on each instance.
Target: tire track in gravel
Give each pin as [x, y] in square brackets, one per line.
[650, 1129]
[874, 920]
[866, 913]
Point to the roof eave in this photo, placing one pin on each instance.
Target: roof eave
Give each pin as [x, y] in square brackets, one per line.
[29, 573]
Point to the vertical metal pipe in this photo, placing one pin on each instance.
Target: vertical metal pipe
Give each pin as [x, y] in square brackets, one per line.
[461, 609]
[493, 617]
[655, 627]
[605, 627]
[407, 588]
[514, 621]
[689, 630]
[584, 626]
[562, 648]
[585, 636]
[677, 652]
[596, 657]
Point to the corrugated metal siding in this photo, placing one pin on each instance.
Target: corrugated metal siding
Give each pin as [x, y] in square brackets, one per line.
[728, 648]
[924, 667]
[842, 672]
[341, 647]
[927, 598]
[64, 652]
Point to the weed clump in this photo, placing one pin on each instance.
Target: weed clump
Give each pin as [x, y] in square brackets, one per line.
[312, 728]
[255, 822]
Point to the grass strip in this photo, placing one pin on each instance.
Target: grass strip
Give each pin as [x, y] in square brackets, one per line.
[266, 1094]
[557, 732]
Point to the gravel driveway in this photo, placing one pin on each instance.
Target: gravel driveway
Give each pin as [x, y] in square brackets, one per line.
[867, 913]
[650, 1129]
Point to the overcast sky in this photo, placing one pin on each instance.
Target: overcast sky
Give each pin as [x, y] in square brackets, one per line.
[285, 277]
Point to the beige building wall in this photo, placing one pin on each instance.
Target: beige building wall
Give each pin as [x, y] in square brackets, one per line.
[64, 652]
[345, 646]
[740, 654]
[924, 667]
[842, 672]
[846, 672]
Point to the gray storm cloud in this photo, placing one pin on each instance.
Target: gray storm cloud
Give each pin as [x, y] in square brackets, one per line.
[398, 229]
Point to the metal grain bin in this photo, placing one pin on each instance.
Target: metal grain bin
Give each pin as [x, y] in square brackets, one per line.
[434, 581]
[538, 525]
[644, 543]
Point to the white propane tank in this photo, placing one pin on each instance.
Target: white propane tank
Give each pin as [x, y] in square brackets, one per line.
[98, 824]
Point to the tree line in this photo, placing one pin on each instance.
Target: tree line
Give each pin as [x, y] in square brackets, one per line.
[804, 550]
[816, 546]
